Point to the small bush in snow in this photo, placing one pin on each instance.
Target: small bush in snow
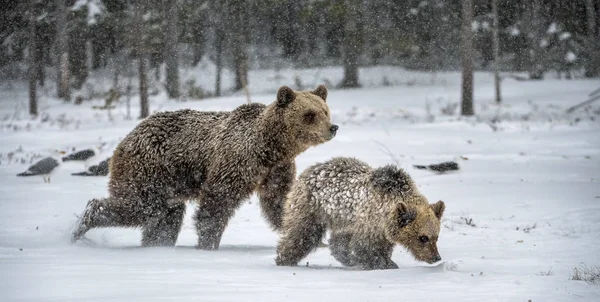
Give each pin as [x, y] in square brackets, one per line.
[546, 273]
[591, 275]
[468, 221]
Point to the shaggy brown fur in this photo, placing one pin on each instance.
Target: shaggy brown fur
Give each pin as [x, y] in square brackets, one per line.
[367, 210]
[215, 158]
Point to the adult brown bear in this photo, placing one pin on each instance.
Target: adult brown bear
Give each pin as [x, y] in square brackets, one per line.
[217, 159]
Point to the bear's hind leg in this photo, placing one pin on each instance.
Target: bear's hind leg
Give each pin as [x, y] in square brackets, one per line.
[105, 212]
[372, 253]
[339, 244]
[302, 233]
[212, 216]
[163, 230]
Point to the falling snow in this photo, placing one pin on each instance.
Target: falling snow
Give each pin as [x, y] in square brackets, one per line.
[521, 212]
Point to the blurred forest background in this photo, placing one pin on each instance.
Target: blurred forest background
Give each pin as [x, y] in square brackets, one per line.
[64, 42]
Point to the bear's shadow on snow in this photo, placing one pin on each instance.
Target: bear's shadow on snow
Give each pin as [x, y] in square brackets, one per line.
[331, 267]
[87, 242]
[426, 268]
[239, 248]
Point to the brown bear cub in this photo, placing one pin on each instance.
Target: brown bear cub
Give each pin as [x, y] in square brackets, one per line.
[217, 159]
[367, 211]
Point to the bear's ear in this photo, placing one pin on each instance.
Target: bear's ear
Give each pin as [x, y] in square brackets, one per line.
[321, 92]
[406, 215]
[285, 95]
[438, 209]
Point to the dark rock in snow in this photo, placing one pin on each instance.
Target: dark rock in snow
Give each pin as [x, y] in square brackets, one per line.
[440, 168]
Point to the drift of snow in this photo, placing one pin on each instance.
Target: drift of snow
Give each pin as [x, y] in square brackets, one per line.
[526, 200]
[94, 8]
[564, 36]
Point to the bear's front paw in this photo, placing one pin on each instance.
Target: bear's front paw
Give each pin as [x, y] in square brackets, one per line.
[81, 229]
[76, 235]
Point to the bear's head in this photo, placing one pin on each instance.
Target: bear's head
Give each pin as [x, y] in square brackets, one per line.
[412, 222]
[417, 229]
[305, 117]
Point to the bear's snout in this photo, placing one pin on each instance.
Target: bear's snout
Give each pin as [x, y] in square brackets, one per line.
[435, 259]
[333, 129]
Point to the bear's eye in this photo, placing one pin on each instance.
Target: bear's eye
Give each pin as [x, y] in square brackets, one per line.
[309, 117]
[424, 239]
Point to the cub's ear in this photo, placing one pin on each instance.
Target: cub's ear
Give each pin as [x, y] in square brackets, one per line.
[285, 95]
[321, 92]
[406, 215]
[438, 209]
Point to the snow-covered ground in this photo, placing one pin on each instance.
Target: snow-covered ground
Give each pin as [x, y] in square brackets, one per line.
[525, 202]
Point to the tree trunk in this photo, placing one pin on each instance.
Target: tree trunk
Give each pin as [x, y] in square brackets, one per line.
[78, 53]
[144, 108]
[32, 71]
[62, 51]
[592, 68]
[218, 60]
[40, 72]
[496, 46]
[216, 22]
[237, 10]
[591, 17]
[171, 53]
[240, 61]
[467, 58]
[116, 63]
[536, 68]
[140, 50]
[290, 40]
[352, 43]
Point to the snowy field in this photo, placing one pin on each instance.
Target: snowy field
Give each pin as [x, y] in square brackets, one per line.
[521, 214]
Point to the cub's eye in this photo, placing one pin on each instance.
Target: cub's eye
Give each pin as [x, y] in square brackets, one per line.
[309, 117]
[424, 239]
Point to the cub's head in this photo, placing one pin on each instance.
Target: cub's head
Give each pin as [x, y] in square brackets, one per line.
[417, 229]
[305, 115]
[415, 224]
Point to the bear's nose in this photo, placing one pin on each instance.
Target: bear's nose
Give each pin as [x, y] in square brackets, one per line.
[334, 129]
[436, 258]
